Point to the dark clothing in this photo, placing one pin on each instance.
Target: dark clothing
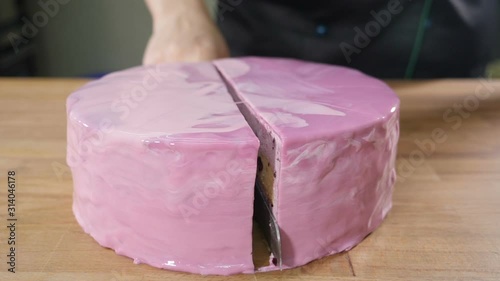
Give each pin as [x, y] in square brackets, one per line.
[374, 36]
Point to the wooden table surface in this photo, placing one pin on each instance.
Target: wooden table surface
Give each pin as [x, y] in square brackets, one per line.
[445, 224]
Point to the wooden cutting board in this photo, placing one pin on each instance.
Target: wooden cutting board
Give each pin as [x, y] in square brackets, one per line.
[445, 223]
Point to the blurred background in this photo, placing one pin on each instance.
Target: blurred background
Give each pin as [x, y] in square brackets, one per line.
[83, 38]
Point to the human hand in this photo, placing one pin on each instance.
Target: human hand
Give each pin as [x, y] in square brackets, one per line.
[183, 33]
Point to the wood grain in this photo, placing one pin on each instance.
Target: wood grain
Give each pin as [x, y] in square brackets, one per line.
[445, 223]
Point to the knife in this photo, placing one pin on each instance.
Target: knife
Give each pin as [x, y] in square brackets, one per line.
[264, 216]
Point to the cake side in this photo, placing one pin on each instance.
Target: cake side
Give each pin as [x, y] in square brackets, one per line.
[345, 195]
[338, 133]
[164, 168]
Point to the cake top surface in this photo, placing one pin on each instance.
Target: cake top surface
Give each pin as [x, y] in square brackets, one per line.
[190, 101]
[307, 99]
[170, 101]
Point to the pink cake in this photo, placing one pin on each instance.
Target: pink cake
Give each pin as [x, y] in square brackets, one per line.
[164, 162]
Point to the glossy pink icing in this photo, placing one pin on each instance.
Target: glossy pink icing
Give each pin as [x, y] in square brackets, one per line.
[335, 133]
[164, 163]
[163, 167]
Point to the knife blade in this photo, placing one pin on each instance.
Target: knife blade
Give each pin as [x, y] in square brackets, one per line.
[263, 215]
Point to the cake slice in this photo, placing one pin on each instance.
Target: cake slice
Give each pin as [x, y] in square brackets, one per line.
[328, 140]
[164, 167]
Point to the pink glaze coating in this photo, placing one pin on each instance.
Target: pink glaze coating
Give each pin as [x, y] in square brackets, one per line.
[164, 163]
[164, 167]
[335, 133]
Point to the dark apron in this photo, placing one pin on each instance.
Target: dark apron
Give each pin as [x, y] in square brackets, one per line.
[376, 37]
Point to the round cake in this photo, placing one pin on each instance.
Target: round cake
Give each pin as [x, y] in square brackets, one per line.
[165, 159]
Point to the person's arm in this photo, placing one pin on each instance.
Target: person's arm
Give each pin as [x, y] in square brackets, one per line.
[183, 31]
